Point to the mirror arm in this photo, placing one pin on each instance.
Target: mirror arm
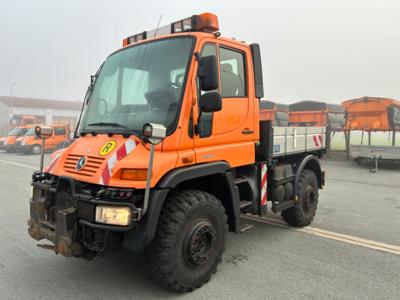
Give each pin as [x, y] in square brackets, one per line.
[198, 123]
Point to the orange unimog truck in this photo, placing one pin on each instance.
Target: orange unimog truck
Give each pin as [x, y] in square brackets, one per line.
[275, 112]
[7, 143]
[170, 150]
[31, 143]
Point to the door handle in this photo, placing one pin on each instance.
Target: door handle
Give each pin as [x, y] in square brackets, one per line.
[247, 131]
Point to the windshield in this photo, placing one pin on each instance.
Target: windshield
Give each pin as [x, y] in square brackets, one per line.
[30, 132]
[17, 131]
[138, 85]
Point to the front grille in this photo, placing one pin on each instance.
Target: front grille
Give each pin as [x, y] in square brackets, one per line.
[92, 165]
[18, 142]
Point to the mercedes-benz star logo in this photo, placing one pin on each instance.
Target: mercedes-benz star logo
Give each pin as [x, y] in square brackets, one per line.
[80, 163]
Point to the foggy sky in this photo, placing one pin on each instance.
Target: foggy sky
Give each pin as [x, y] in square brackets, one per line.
[329, 50]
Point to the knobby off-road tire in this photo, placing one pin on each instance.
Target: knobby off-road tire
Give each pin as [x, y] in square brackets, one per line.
[189, 240]
[303, 212]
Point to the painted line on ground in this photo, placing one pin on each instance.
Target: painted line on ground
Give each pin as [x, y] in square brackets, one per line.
[348, 239]
[14, 163]
[364, 183]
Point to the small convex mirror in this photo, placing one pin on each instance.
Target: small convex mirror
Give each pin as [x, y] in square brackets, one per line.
[43, 132]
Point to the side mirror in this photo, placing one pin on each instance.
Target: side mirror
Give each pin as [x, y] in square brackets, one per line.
[43, 132]
[210, 102]
[154, 133]
[208, 73]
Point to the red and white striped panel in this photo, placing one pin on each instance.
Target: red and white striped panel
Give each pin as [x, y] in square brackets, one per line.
[318, 141]
[122, 151]
[264, 176]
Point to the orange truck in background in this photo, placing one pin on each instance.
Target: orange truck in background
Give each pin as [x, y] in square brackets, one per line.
[30, 143]
[7, 142]
[23, 121]
[169, 151]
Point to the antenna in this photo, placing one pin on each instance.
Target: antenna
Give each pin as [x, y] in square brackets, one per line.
[158, 25]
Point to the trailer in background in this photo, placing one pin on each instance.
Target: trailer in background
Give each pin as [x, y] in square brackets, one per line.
[275, 112]
[372, 114]
[316, 113]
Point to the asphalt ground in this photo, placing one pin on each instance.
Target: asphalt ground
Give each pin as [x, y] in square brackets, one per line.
[352, 249]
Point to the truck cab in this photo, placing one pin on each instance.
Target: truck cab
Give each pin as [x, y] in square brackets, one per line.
[169, 151]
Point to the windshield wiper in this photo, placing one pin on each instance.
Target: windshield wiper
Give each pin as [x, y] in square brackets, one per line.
[126, 131]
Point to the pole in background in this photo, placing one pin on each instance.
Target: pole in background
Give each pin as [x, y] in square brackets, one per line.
[369, 138]
[11, 97]
[347, 138]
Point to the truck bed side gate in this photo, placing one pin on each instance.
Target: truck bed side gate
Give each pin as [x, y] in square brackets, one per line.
[263, 184]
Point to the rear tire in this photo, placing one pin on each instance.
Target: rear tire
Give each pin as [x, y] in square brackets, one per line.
[189, 240]
[303, 212]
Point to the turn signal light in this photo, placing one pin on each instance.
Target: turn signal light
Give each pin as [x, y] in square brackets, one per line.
[134, 174]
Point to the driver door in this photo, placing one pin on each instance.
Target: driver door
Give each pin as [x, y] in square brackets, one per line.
[228, 134]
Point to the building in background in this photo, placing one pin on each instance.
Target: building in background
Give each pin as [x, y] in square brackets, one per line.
[44, 110]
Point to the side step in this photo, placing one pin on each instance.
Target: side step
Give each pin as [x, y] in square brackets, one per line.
[282, 206]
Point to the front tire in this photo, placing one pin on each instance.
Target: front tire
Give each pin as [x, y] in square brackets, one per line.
[303, 212]
[189, 240]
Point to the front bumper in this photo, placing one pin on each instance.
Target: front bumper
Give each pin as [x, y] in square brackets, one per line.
[22, 148]
[63, 212]
[6, 147]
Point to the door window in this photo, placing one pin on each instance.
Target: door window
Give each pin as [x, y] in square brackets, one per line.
[59, 131]
[233, 82]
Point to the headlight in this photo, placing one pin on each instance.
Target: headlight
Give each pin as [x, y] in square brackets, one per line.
[114, 215]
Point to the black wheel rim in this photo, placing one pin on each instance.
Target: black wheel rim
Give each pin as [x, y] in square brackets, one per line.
[310, 199]
[200, 243]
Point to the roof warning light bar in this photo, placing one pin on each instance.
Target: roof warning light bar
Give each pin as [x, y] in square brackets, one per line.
[206, 22]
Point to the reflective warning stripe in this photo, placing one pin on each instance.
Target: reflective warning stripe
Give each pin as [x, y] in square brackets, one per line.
[318, 141]
[264, 184]
[315, 141]
[122, 151]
